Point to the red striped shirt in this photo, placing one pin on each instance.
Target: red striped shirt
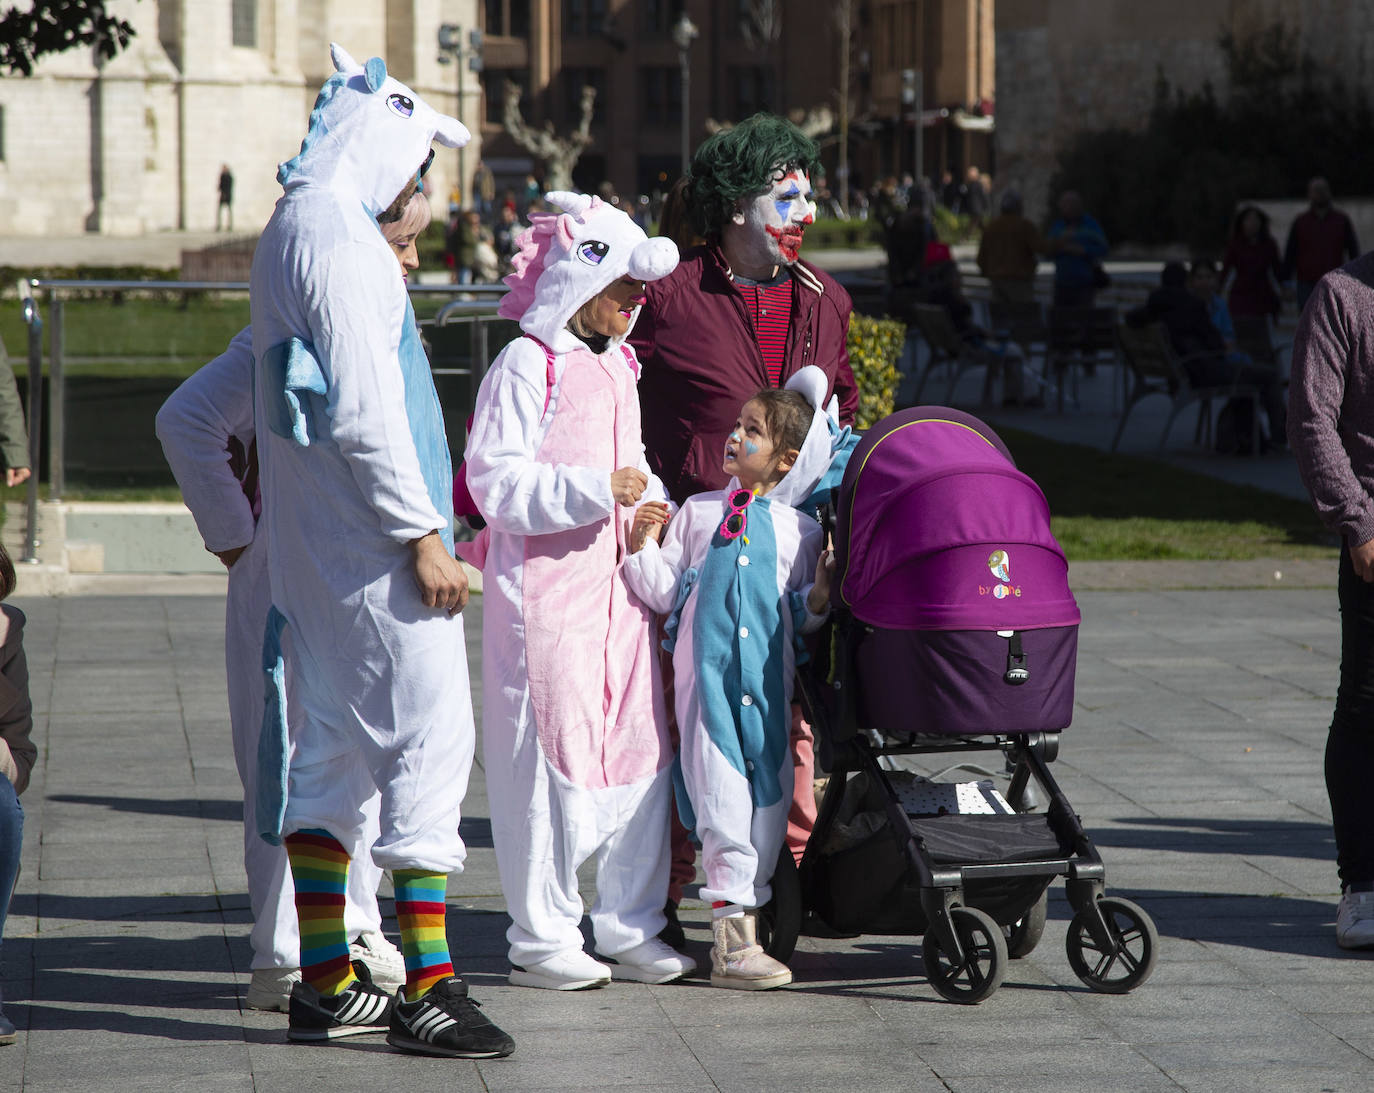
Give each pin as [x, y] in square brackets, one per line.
[770, 310]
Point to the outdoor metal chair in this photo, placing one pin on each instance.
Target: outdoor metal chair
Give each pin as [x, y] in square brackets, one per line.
[1079, 337]
[1255, 338]
[1024, 325]
[949, 350]
[1157, 370]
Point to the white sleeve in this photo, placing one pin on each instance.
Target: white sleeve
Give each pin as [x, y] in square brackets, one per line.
[514, 492]
[803, 575]
[357, 340]
[655, 572]
[194, 426]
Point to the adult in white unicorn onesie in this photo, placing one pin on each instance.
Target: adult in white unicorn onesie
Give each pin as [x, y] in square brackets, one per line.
[574, 725]
[207, 434]
[356, 490]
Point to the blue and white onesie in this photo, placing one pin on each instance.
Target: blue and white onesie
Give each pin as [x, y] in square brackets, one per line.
[740, 606]
[196, 425]
[355, 466]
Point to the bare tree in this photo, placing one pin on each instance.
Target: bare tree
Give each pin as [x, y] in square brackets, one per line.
[815, 122]
[763, 24]
[560, 154]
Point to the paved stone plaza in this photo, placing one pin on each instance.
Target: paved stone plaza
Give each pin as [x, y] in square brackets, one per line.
[1195, 758]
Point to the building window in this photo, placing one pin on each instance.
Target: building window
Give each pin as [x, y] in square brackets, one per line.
[494, 85]
[507, 18]
[574, 79]
[583, 18]
[662, 96]
[657, 17]
[245, 20]
[751, 90]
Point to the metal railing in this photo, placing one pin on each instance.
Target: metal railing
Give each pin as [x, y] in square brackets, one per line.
[475, 305]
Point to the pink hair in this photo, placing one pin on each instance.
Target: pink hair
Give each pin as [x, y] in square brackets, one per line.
[529, 261]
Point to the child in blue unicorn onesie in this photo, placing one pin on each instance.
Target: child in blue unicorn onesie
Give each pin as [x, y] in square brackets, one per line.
[743, 574]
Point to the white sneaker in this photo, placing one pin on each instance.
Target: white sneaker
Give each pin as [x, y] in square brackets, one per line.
[1355, 921]
[270, 988]
[572, 970]
[651, 961]
[382, 959]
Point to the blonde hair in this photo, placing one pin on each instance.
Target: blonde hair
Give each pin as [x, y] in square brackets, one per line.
[414, 218]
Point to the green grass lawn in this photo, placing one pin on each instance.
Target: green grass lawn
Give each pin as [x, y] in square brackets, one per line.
[140, 336]
[1119, 507]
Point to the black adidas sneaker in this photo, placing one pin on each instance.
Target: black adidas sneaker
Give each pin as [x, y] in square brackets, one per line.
[446, 1022]
[359, 1008]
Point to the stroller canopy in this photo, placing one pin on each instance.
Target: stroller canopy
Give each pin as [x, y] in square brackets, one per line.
[936, 529]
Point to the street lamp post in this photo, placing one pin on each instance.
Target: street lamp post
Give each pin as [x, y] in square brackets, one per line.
[452, 51]
[684, 34]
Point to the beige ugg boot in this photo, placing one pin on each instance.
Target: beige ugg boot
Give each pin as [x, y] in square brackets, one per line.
[738, 961]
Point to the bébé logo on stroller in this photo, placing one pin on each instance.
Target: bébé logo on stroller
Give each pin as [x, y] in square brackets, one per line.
[999, 565]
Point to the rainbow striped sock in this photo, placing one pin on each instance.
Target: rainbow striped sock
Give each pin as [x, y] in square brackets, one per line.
[424, 942]
[319, 868]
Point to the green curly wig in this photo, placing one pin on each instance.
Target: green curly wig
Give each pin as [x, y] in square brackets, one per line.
[741, 162]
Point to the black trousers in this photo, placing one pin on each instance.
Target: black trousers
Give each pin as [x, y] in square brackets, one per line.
[1350, 744]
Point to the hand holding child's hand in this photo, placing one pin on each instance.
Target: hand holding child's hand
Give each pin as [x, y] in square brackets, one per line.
[628, 485]
[650, 518]
[818, 600]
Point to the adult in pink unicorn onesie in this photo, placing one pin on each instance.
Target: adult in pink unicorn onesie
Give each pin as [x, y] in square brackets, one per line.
[574, 725]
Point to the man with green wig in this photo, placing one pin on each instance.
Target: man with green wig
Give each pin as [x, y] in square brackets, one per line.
[741, 312]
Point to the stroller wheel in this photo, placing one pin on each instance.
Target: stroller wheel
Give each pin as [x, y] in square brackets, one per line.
[985, 957]
[1024, 934]
[779, 920]
[1125, 963]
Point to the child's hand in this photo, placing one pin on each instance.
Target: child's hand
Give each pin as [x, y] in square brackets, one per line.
[818, 600]
[649, 520]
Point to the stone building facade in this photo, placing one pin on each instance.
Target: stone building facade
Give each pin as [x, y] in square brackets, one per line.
[136, 145]
[1065, 66]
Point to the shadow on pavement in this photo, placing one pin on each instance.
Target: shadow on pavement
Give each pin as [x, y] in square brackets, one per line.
[1269, 838]
[187, 807]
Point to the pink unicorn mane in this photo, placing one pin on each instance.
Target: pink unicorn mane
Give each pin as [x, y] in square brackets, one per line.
[527, 264]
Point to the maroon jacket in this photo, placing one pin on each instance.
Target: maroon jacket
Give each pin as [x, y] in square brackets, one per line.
[1317, 245]
[700, 362]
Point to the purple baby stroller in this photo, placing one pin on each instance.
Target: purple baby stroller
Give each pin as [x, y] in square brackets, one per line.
[953, 631]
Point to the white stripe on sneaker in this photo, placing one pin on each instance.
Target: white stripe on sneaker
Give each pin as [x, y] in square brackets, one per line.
[428, 1026]
[361, 1009]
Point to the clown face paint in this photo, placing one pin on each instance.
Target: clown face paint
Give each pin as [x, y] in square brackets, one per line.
[778, 217]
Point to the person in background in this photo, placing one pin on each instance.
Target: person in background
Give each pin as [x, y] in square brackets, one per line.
[1319, 241]
[1201, 347]
[1204, 283]
[1009, 252]
[14, 437]
[1252, 264]
[225, 208]
[1079, 246]
[1331, 430]
[17, 751]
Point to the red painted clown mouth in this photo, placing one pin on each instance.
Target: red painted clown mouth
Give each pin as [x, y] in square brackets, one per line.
[789, 241]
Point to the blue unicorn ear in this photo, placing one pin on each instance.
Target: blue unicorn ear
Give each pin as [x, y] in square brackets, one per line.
[375, 72]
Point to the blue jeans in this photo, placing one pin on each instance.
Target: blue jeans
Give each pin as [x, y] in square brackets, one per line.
[11, 839]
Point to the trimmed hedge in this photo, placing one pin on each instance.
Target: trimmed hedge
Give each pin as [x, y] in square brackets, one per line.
[875, 345]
